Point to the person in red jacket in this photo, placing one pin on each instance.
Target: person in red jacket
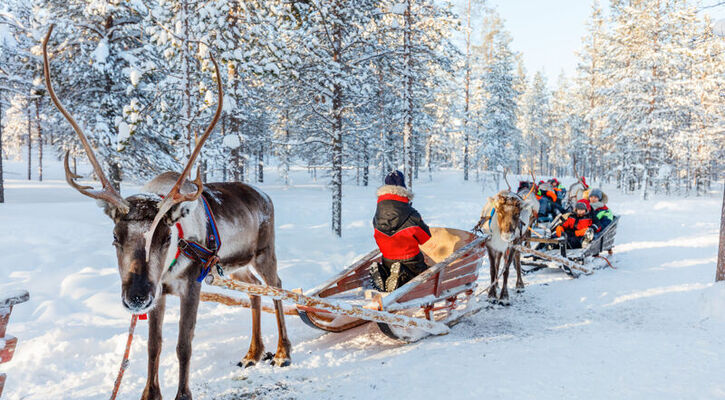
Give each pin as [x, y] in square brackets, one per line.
[399, 230]
[578, 227]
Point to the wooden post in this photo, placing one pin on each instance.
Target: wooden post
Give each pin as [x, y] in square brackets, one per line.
[720, 275]
[8, 343]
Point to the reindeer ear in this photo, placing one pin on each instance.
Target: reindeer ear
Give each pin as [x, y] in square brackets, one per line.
[179, 211]
[110, 210]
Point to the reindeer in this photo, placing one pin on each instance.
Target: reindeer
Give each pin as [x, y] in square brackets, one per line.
[174, 216]
[507, 217]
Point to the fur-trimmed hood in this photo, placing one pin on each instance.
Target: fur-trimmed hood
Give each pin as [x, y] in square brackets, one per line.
[395, 190]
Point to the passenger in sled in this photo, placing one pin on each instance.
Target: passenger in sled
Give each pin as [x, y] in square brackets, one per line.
[578, 228]
[601, 215]
[399, 231]
[550, 200]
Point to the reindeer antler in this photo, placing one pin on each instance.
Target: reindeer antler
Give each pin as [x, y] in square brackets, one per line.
[533, 183]
[576, 174]
[175, 196]
[505, 171]
[107, 193]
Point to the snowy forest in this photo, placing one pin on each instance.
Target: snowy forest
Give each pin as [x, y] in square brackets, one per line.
[352, 89]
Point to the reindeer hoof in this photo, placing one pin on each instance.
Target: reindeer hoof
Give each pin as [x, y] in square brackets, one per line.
[520, 289]
[504, 302]
[183, 396]
[246, 363]
[281, 362]
[151, 393]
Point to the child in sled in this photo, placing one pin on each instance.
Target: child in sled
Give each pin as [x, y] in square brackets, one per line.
[601, 215]
[578, 227]
[399, 230]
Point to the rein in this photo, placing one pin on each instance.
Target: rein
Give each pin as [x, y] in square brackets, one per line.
[124, 362]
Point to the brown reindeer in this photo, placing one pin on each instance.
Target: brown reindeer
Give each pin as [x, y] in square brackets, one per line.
[169, 206]
[507, 217]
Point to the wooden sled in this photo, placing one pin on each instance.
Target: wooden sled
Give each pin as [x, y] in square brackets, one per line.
[427, 305]
[571, 261]
[443, 293]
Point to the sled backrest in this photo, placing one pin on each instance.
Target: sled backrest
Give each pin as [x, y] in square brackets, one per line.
[604, 242]
[443, 242]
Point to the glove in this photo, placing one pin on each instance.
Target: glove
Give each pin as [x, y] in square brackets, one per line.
[559, 230]
[589, 235]
[580, 232]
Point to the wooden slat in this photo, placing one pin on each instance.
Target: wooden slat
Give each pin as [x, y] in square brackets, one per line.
[453, 283]
[424, 289]
[2, 383]
[463, 270]
[366, 259]
[4, 318]
[17, 297]
[6, 352]
[342, 287]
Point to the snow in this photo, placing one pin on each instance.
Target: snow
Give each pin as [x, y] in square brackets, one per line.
[135, 76]
[124, 132]
[100, 53]
[644, 330]
[231, 141]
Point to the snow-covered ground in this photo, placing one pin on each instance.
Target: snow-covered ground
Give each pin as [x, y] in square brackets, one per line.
[651, 329]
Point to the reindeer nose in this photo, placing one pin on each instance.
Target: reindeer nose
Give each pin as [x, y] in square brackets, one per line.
[137, 302]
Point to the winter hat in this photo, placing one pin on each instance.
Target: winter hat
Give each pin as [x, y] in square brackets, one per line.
[582, 205]
[554, 182]
[395, 178]
[598, 193]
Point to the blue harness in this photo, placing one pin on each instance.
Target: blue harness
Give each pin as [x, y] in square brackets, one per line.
[206, 256]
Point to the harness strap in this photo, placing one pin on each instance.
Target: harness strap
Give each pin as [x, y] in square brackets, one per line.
[197, 252]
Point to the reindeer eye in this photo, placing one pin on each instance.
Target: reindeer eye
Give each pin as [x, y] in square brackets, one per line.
[115, 240]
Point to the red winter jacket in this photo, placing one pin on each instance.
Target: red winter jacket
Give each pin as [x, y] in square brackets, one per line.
[577, 224]
[399, 228]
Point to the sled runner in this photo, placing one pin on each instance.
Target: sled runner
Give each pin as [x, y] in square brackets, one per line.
[572, 261]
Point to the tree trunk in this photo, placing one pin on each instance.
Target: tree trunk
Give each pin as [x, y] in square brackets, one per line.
[720, 275]
[408, 142]
[467, 85]
[30, 145]
[336, 183]
[2, 179]
[260, 163]
[40, 139]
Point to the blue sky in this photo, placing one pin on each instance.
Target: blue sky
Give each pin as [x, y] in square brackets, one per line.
[549, 32]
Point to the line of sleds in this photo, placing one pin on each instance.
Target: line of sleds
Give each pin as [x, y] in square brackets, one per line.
[431, 302]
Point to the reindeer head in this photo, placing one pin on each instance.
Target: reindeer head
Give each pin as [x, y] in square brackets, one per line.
[142, 242]
[508, 210]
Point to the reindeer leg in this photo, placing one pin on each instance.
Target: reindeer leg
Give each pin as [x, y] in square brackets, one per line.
[152, 391]
[265, 262]
[492, 266]
[281, 357]
[187, 323]
[504, 295]
[256, 345]
[519, 277]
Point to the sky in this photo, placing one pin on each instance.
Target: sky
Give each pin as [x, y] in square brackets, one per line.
[548, 33]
